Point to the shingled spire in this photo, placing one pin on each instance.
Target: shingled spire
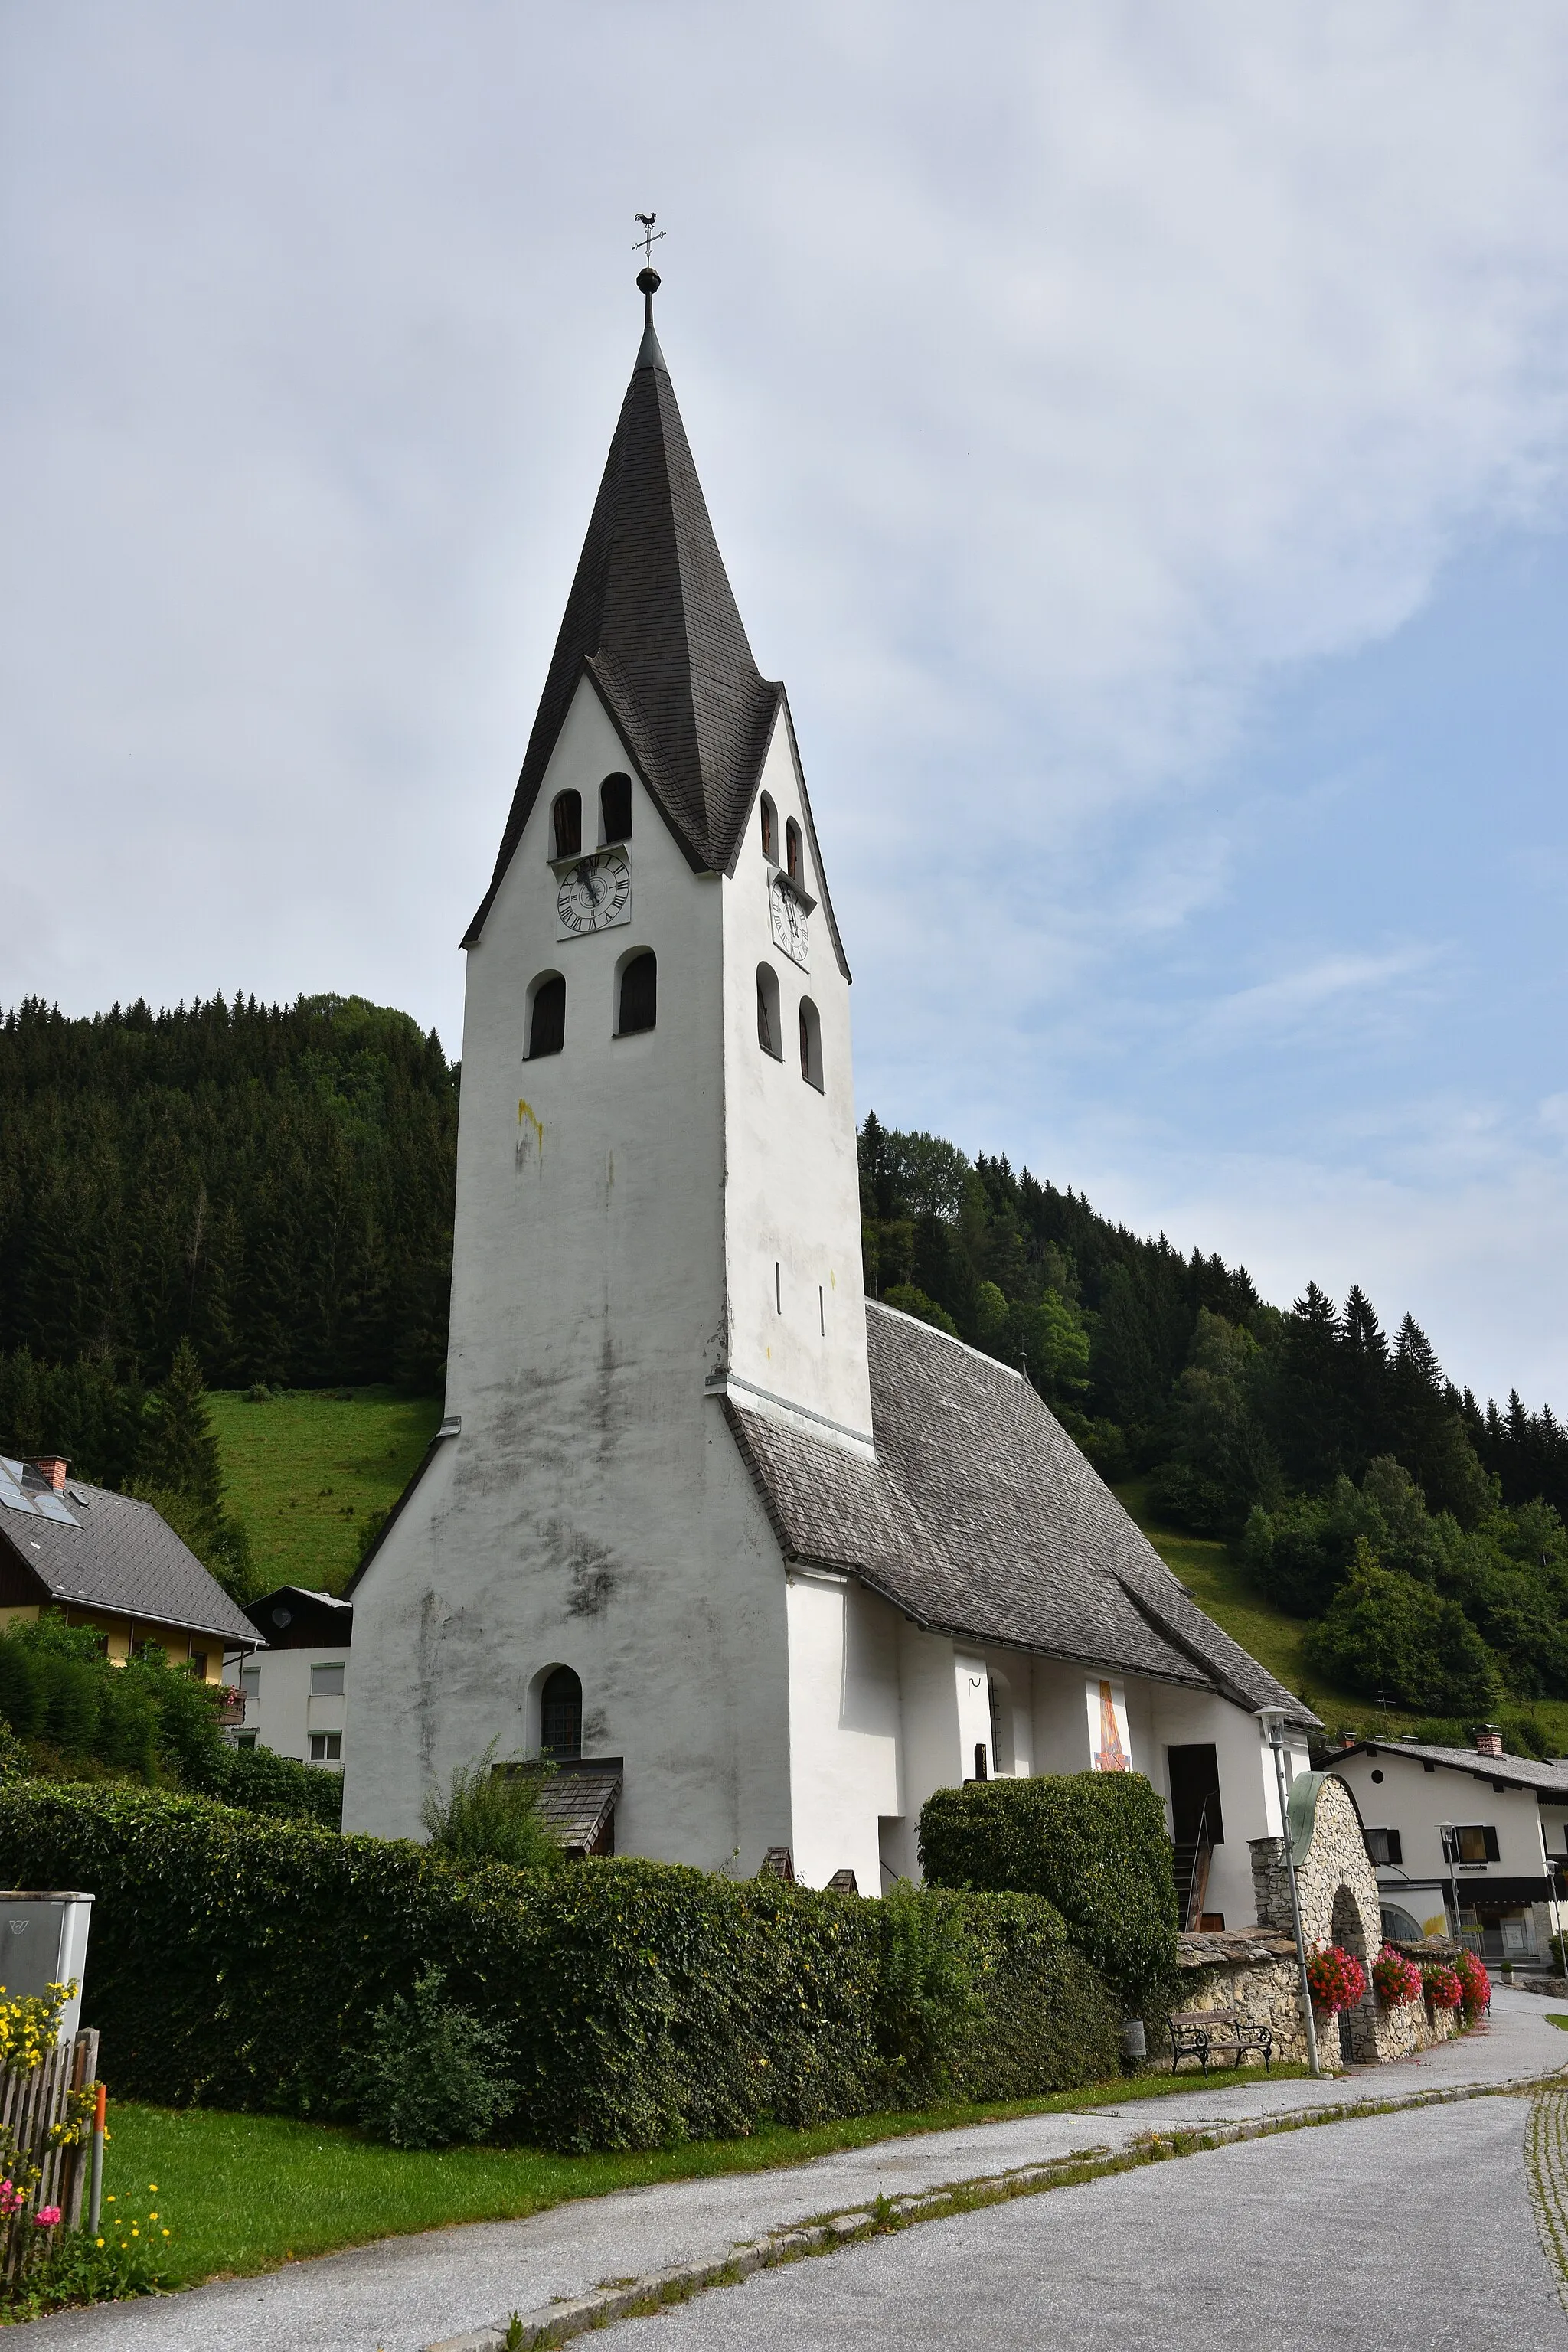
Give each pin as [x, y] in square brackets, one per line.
[652, 620]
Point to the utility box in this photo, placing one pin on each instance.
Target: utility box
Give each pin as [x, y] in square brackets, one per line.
[43, 1941]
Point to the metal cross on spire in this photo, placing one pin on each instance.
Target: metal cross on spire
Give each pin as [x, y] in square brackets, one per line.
[648, 239]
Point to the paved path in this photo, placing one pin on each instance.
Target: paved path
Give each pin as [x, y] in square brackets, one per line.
[1409, 2233]
[404, 2293]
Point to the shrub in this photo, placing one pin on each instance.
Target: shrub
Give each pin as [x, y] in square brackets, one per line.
[492, 1815]
[434, 2071]
[1093, 1844]
[1397, 1980]
[1336, 1977]
[235, 1958]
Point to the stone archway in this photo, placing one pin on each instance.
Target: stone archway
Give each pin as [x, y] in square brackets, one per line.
[1337, 1887]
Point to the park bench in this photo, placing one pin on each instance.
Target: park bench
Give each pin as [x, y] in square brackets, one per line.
[1205, 2032]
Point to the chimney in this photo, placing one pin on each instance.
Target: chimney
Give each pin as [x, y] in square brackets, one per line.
[51, 1469]
[1488, 1740]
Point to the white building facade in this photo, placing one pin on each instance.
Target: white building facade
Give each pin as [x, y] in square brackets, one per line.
[795, 1561]
[294, 1693]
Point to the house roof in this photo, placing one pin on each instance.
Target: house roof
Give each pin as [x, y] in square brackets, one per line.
[296, 1617]
[982, 1518]
[651, 620]
[578, 1799]
[1508, 1771]
[91, 1548]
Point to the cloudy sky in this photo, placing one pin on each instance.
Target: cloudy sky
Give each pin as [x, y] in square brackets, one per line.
[1138, 436]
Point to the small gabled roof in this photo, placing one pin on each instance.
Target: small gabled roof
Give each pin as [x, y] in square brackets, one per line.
[295, 1617]
[1508, 1771]
[91, 1548]
[652, 622]
[980, 1519]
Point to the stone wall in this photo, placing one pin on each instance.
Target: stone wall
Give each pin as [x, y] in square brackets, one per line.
[1337, 1887]
[1252, 1970]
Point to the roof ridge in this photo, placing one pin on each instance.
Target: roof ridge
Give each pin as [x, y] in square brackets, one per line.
[953, 1340]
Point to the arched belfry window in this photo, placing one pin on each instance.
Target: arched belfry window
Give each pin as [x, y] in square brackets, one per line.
[810, 1044]
[791, 839]
[770, 831]
[770, 1033]
[636, 1006]
[561, 1714]
[616, 809]
[566, 824]
[546, 1016]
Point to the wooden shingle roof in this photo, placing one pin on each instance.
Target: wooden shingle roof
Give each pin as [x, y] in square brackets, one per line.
[980, 1519]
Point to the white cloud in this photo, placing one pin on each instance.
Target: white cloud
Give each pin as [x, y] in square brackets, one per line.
[1060, 377]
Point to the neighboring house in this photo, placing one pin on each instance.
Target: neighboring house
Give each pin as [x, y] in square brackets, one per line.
[766, 1562]
[1470, 1830]
[109, 1561]
[294, 1691]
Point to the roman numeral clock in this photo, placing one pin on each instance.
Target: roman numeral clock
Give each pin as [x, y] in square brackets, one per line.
[593, 894]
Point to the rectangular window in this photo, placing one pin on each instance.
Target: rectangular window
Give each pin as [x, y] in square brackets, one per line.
[250, 1682]
[245, 1738]
[326, 1681]
[199, 1665]
[1384, 1847]
[326, 1747]
[1471, 1841]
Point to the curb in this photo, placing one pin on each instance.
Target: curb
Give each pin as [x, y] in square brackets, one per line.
[557, 2323]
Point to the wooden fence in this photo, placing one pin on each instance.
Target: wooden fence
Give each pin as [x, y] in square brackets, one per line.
[34, 2104]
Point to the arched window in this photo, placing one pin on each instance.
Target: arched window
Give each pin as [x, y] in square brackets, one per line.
[561, 1714]
[637, 1006]
[792, 841]
[566, 824]
[616, 809]
[810, 1044]
[546, 1016]
[770, 832]
[770, 1033]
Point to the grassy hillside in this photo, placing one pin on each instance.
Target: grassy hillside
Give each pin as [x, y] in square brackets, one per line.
[1222, 1588]
[304, 1470]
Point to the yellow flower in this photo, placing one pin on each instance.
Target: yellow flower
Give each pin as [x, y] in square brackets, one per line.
[99, 2241]
[153, 2187]
[165, 2234]
[152, 2217]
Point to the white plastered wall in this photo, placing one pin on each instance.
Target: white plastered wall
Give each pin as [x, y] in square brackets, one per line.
[283, 1714]
[593, 1511]
[792, 1181]
[845, 1723]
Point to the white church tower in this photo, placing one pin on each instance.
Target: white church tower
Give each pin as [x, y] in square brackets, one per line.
[658, 1208]
[758, 1565]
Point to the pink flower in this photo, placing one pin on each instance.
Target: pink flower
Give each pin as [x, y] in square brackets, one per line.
[46, 2216]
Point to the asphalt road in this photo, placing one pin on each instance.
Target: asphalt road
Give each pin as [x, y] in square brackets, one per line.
[1406, 2234]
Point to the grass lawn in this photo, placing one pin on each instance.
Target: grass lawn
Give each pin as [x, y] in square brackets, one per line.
[305, 1469]
[249, 2192]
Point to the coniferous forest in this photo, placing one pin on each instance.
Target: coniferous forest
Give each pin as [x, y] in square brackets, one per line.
[262, 1195]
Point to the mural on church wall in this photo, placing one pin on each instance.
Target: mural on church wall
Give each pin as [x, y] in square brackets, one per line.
[1110, 1740]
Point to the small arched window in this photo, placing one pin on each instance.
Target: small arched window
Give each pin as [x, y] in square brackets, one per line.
[810, 1044]
[792, 841]
[566, 824]
[770, 832]
[561, 1714]
[616, 809]
[770, 1031]
[637, 1007]
[546, 1016]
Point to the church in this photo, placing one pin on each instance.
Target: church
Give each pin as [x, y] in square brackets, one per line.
[759, 1562]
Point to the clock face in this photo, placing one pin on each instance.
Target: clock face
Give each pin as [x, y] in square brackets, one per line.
[594, 894]
[789, 921]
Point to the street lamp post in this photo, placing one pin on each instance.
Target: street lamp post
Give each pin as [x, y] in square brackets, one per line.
[1272, 1718]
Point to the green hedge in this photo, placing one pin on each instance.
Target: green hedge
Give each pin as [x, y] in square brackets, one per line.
[1094, 1844]
[236, 1961]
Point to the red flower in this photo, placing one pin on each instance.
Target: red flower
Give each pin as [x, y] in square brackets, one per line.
[1473, 1981]
[1337, 1977]
[1442, 1987]
[1397, 1979]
